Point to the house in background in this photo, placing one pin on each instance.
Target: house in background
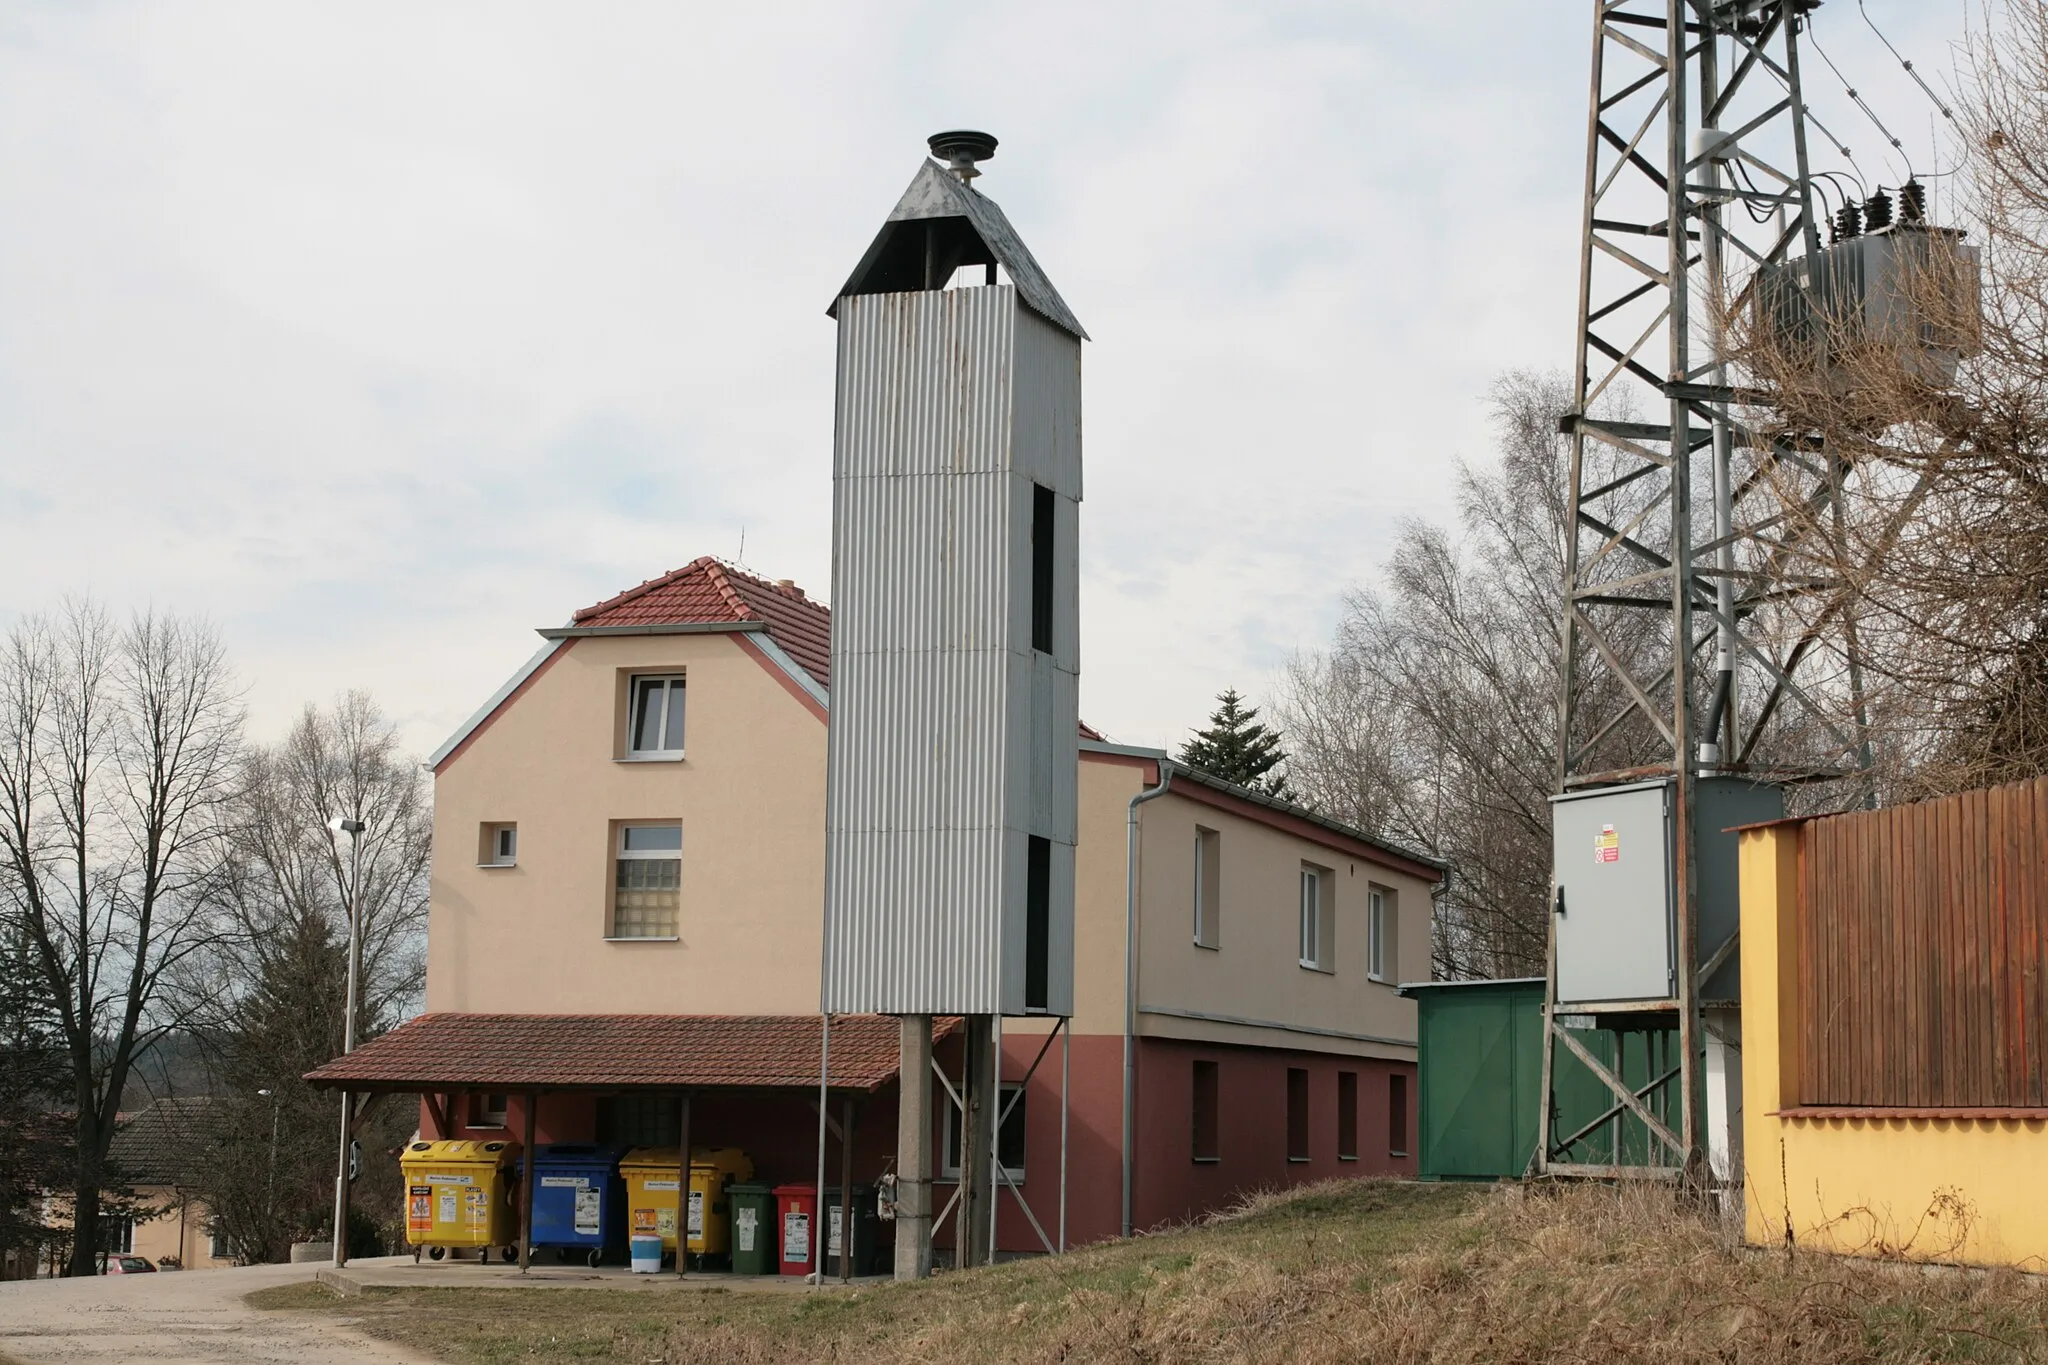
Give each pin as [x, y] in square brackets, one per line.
[152, 1151]
[627, 906]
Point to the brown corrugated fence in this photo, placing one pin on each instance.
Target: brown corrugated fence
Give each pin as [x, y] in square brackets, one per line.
[1922, 930]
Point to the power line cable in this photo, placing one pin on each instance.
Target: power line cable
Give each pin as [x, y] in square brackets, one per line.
[1813, 38]
[1937, 101]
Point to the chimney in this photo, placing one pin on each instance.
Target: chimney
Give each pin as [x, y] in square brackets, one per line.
[789, 586]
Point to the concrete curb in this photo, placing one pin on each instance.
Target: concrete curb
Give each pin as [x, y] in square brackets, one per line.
[340, 1281]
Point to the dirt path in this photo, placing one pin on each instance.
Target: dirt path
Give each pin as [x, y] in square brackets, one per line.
[193, 1317]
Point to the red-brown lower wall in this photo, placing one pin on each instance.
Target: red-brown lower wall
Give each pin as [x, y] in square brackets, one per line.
[780, 1131]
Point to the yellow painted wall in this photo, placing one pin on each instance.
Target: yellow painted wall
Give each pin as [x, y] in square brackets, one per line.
[1923, 1188]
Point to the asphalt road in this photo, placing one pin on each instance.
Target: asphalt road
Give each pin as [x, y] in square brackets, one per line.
[190, 1317]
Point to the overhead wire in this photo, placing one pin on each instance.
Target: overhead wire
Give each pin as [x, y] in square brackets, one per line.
[1857, 99]
[1936, 100]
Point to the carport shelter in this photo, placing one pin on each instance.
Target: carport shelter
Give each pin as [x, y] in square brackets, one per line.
[746, 1081]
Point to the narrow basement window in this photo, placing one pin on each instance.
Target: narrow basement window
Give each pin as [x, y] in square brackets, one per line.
[1207, 1144]
[499, 846]
[1297, 1113]
[1347, 1116]
[1397, 1114]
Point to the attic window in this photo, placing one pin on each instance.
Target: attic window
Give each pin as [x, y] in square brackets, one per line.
[655, 722]
[977, 276]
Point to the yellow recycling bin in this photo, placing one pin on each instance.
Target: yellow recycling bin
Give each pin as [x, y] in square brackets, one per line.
[461, 1194]
[651, 1179]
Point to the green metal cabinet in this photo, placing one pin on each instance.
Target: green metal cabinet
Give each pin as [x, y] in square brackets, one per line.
[1481, 1081]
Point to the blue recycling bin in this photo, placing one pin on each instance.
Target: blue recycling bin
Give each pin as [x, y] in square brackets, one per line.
[579, 1201]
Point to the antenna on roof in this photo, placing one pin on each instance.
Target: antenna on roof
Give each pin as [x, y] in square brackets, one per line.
[960, 149]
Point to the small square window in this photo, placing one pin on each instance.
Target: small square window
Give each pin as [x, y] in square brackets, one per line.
[486, 1110]
[499, 846]
[654, 719]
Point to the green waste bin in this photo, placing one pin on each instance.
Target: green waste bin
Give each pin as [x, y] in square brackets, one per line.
[754, 1239]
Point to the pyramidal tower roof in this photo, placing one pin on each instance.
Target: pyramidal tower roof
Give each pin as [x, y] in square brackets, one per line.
[940, 224]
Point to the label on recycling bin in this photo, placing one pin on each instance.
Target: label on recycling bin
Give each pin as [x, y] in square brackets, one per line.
[696, 1215]
[419, 1208]
[832, 1231]
[652, 1185]
[450, 1202]
[643, 1222]
[478, 1211]
[743, 1223]
[665, 1223]
[443, 1178]
[565, 1182]
[587, 1203]
[796, 1236]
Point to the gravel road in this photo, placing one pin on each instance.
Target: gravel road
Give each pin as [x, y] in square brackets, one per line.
[191, 1317]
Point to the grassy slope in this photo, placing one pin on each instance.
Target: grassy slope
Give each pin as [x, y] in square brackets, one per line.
[1351, 1271]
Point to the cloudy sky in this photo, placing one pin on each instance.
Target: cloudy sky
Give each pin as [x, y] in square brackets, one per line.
[384, 333]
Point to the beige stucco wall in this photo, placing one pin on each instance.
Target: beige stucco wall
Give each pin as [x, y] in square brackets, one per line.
[177, 1227]
[749, 794]
[1255, 971]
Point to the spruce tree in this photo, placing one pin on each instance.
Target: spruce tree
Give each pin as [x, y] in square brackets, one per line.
[1236, 748]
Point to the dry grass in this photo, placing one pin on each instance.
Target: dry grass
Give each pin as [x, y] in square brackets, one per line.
[1354, 1271]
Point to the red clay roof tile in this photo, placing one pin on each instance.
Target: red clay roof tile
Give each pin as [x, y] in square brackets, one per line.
[446, 1051]
[709, 591]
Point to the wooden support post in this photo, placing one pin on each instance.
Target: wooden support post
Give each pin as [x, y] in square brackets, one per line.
[914, 1148]
[977, 1140]
[846, 1219]
[683, 1193]
[530, 1184]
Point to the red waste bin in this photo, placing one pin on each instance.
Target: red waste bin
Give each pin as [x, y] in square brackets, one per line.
[796, 1208]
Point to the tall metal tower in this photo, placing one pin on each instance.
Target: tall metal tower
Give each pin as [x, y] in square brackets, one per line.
[1706, 648]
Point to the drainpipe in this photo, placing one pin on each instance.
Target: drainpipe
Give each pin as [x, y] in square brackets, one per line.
[1131, 973]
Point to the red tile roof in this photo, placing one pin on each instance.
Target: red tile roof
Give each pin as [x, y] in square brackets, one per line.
[709, 591]
[446, 1051]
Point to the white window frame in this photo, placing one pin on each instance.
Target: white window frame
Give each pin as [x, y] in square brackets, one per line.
[481, 1115]
[1377, 911]
[219, 1246]
[950, 1132]
[1313, 921]
[620, 854]
[661, 751]
[501, 845]
[1208, 894]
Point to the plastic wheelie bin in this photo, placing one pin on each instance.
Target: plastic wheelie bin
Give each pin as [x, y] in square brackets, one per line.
[755, 1247]
[866, 1251]
[461, 1194]
[651, 1178]
[796, 1210]
[579, 1201]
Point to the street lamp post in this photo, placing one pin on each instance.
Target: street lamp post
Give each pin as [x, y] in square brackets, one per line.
[270, 1174]
[354, 830]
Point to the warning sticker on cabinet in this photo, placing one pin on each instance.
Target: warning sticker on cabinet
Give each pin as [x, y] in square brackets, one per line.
[1607, 845]
[419, 1209]
[796, 1236]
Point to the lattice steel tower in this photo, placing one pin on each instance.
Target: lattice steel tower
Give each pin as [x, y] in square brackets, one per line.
[1707, 648]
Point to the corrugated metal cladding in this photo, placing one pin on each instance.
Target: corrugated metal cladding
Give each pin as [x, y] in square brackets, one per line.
[952, 741]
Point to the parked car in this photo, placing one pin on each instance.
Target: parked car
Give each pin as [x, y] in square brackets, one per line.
[123, 1264]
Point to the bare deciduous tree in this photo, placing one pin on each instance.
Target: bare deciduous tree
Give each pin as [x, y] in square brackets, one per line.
[283, 969]
[117, 756]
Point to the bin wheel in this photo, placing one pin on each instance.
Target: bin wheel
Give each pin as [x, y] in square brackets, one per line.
[416, 1255]
[437, 1252]
[483, 1255]
[594, 1258]
[562, 1255]
[511, 1254]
